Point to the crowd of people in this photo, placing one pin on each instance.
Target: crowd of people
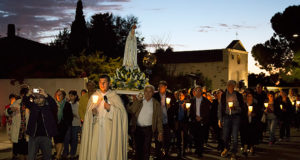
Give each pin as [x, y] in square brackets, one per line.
[183, 119]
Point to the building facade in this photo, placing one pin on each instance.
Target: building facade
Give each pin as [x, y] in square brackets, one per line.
[219, 65]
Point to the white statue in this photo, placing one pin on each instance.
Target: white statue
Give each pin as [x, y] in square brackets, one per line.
[130, 54]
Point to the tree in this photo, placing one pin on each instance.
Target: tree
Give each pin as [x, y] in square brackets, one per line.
[280, 53]
[92, 66]
[79, 33]
[62, 39]
[108, 33]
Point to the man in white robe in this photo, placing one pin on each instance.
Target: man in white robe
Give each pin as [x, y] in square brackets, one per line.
[105, 128]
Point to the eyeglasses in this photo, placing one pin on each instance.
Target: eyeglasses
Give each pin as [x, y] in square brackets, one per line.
[198, 90]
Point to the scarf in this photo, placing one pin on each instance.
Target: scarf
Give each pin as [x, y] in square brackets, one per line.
[61, 106]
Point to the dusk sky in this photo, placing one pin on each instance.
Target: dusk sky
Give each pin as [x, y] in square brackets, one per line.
[184, 24]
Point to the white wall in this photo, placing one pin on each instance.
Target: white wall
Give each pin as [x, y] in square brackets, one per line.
[237, 71]
[50, 86]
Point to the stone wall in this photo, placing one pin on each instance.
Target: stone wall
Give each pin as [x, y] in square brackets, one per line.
[237, 65]
[215, 71]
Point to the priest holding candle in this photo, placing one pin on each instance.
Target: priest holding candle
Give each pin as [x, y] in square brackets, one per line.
[229, 113]
[104, 134]
[200, 116]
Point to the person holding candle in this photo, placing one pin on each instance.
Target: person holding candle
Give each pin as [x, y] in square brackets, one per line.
[285, 115]
[250, 119]
[297, 113]
[167, 101]
[229, 114]
[199, 115]
[181, 119]
[272, 112]
[260, 96]
[19, 116]
[105, 128]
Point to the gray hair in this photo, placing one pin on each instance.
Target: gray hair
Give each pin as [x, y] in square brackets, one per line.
[197, 86]
[231, 82]
[149, 86]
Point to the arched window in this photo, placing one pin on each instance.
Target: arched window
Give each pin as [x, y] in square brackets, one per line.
[238, 59]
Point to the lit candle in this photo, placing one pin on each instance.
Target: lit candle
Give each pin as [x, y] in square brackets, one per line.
[230, 105]
[95, 98]
[298, 103]
[293, 103]
[188, 105]
[281, 106]
[168, 100]
[266, 105]
[250, 108]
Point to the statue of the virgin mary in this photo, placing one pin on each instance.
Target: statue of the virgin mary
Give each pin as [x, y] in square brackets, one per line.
[130, 53]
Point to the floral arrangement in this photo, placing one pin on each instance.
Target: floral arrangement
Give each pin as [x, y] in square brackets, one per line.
[129, 79]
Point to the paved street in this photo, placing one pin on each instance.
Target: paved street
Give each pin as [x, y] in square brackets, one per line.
[280, 151]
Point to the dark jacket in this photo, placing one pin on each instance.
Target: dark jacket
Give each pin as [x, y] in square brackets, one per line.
[223, 102]
[170, 111]
[286, 113]
[205, 107]
[175, 111]
[214, 113]
[256, 114]
[49, 116]
[67, 118]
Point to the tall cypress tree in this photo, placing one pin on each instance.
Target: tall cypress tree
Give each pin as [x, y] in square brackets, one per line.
[79, 32]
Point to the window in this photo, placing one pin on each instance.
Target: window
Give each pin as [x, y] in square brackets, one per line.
[238, 59]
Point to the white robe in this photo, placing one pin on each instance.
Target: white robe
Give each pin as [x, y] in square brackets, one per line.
[130, 54]
[104, 137]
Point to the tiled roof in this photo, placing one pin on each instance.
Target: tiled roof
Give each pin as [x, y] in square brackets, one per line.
[197, 56]
[191, 56]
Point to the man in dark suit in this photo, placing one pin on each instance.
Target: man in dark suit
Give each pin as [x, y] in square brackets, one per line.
[199, 114]
[167, 102]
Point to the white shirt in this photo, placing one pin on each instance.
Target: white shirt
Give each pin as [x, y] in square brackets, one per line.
[146, 114]
[198, 103]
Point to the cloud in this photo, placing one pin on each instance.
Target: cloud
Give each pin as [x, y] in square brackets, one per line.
[223, 27]
[155, 9]
[236, 26]
[34, 18]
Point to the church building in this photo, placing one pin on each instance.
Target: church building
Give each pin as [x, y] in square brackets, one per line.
[218, 65]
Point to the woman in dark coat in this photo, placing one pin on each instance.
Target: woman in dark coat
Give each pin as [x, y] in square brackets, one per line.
[64, 120]
[250, 121]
